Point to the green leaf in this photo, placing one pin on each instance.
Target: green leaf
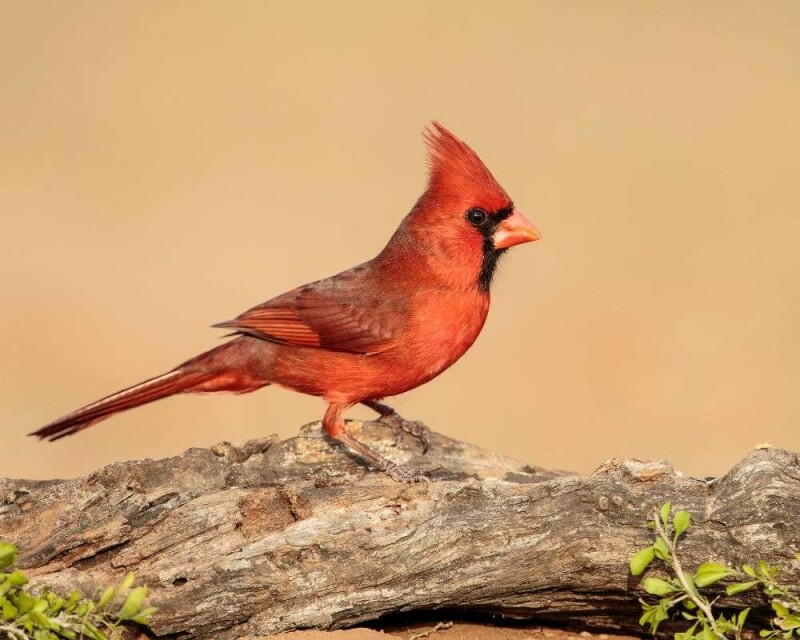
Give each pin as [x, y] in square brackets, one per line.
[25, 602]
[55, 604]
[658, 587]
[9, 610]
[692, 587]
[143, 617]
[724, 625]
[665, 509]
[107, 596]
[72, 601]
[681, 522]
[780, 608]
[641, 560]
[133, 603]
[790, 622]
[688, 634]
[738, 587]
[17, 578]
[707, 634]
[39, 619]
[126, 583]
[711, 572]
[8, 554]
[749, 570]
[741, 618]
[40, 605]
[660, 614]
[661, 549]
[653, 614]
[88, 629]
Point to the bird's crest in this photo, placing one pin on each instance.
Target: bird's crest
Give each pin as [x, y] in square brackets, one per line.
[456, 171]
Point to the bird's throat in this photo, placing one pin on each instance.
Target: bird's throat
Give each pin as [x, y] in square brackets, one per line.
[491, 257]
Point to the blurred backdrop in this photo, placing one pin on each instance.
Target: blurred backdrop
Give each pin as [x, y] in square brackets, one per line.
[165, 166]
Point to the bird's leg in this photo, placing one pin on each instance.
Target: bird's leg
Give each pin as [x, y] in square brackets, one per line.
[399, 424]
[334, 425]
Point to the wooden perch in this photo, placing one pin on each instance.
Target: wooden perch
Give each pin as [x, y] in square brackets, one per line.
[267, 536]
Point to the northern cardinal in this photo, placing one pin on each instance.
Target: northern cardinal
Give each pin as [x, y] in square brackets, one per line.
[376, 330]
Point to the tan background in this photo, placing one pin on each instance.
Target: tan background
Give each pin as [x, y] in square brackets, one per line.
[164, 166]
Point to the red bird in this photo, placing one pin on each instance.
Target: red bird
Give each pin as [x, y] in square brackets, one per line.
[376, 330]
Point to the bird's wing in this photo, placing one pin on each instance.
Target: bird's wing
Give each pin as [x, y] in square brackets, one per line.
[342, 313]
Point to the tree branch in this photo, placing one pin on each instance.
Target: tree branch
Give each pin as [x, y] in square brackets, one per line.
[268, 536]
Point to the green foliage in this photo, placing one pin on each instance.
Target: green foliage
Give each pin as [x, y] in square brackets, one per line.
[681, 593]
[47, 616]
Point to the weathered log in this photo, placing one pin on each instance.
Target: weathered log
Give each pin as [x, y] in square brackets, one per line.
[269, 536]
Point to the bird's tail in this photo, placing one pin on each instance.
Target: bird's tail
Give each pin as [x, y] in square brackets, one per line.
[205, 373]
[142, 393]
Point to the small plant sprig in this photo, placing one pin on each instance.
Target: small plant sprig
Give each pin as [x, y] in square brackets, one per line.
[684, 589]
[47, 616]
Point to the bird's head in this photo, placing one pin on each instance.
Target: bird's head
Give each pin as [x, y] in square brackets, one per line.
[465, 220]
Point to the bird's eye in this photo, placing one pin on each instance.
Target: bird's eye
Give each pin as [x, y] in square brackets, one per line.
[476, 217]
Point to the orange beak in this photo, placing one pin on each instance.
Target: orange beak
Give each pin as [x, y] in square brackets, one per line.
[515, 229]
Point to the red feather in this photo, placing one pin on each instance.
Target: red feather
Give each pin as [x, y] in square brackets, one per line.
[347, 312]
[456, 172]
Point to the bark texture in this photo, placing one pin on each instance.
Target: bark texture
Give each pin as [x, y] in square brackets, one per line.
[268, 536]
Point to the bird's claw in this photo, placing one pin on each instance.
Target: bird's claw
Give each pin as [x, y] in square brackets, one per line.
[404, 474]
[414, 428]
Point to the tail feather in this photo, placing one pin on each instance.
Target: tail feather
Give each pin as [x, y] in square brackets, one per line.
[176, 381]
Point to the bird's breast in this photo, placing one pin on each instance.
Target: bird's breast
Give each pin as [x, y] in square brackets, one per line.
[444, 326]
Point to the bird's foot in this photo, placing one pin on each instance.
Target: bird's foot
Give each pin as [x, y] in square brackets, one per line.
[404, 474]
[399, 424]
[414, 428]
[392, 469]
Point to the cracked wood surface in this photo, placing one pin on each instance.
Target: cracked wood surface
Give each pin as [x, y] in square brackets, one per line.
[248, 540]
